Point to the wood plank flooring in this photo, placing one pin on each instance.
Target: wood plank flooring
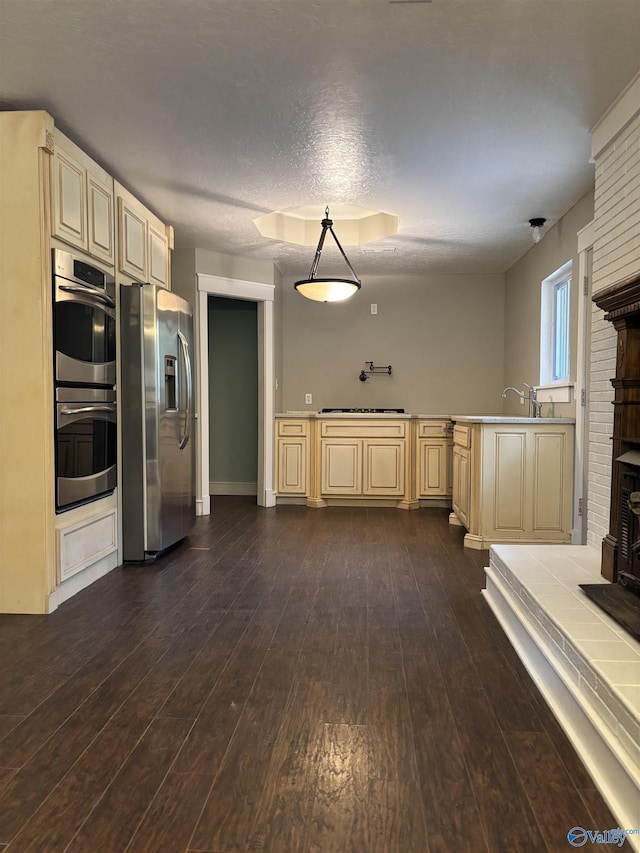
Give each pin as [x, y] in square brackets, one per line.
[287, 680]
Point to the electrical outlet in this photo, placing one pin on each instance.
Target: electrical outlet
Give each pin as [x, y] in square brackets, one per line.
[522, 401]
[308, 399]
[374, 308]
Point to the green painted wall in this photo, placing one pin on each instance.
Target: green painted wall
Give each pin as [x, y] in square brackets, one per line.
[233, 390]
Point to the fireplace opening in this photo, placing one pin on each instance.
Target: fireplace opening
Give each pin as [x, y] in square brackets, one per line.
[621, 600]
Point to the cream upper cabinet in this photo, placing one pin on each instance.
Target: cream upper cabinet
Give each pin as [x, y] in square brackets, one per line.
[513, 482]
[292, 457]
[82, 200]
[158, 250]
[144, 242]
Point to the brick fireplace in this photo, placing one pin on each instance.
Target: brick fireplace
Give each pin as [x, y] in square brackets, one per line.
[621, 546]
[621, 302]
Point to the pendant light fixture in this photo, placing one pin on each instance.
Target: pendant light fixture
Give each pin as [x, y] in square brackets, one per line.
[328, 289]
[537, 226]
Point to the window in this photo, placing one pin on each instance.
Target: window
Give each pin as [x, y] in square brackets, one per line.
[555, 327]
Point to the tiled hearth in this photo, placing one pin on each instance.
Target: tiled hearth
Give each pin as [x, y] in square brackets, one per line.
[585, 665]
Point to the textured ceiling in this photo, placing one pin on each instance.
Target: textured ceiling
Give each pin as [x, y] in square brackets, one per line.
[465, 118]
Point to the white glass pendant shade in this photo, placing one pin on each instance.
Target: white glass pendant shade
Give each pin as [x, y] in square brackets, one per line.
[327, 289]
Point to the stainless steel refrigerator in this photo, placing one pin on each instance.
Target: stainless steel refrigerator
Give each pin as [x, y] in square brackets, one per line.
[157, 416]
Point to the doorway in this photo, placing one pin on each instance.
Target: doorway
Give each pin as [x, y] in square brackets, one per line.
[233, 396]
[262, 295]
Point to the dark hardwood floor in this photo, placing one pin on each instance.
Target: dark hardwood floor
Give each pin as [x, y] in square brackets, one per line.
[287, 680]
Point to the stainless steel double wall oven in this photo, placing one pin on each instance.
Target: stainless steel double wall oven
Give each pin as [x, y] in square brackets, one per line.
[84, 336]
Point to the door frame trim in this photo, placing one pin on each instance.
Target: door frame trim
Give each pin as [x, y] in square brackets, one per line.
[586, 240]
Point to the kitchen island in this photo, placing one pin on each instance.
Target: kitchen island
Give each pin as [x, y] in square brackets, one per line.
[363, 459]
[512, 479]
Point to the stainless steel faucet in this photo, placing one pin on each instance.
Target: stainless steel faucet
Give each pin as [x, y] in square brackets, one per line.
[534, 404]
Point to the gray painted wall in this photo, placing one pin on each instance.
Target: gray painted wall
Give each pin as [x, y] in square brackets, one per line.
[442, 334]
[522, 305]
[233, 390]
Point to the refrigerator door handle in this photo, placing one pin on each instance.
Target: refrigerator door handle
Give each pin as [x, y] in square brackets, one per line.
[187, 364]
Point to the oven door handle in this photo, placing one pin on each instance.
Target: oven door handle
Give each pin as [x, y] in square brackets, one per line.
[88, 291]
[184, 440]
[81, 410]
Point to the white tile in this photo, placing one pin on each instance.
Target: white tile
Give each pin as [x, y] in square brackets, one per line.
[561, 597]
[567, 616]
[615, 650]
[631, 693]
[619, 672]
[592, 631]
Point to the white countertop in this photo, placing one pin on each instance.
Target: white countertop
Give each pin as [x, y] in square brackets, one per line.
[507, 419]
[469, 419]
[392, 415]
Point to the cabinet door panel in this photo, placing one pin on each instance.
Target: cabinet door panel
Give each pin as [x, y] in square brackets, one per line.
[158, 257]
[384, 468]
[550, 482]
[341, 467]
[100, 215]
[132, 242]
[461, 484]
[434, 475]
[292, 456]
[69, 200]
[509, 475]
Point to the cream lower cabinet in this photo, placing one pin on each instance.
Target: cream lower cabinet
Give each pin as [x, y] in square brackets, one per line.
[513, 482]
[461, 497]
[341, 466]
[365, 459]
[362, 467]
[434, 459]
[292, 457]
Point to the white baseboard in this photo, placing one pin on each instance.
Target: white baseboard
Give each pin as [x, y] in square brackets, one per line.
[233, 488]
[269, 498]
[203, 505]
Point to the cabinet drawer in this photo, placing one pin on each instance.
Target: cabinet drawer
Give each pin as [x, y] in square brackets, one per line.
[434, 429]
[462, 435]
[84, 542]
[293, 428]
[363, 429]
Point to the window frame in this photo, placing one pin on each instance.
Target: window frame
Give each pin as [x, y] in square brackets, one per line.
[555, 343]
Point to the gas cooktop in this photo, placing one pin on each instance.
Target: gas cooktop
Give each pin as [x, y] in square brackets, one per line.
[367, 411]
